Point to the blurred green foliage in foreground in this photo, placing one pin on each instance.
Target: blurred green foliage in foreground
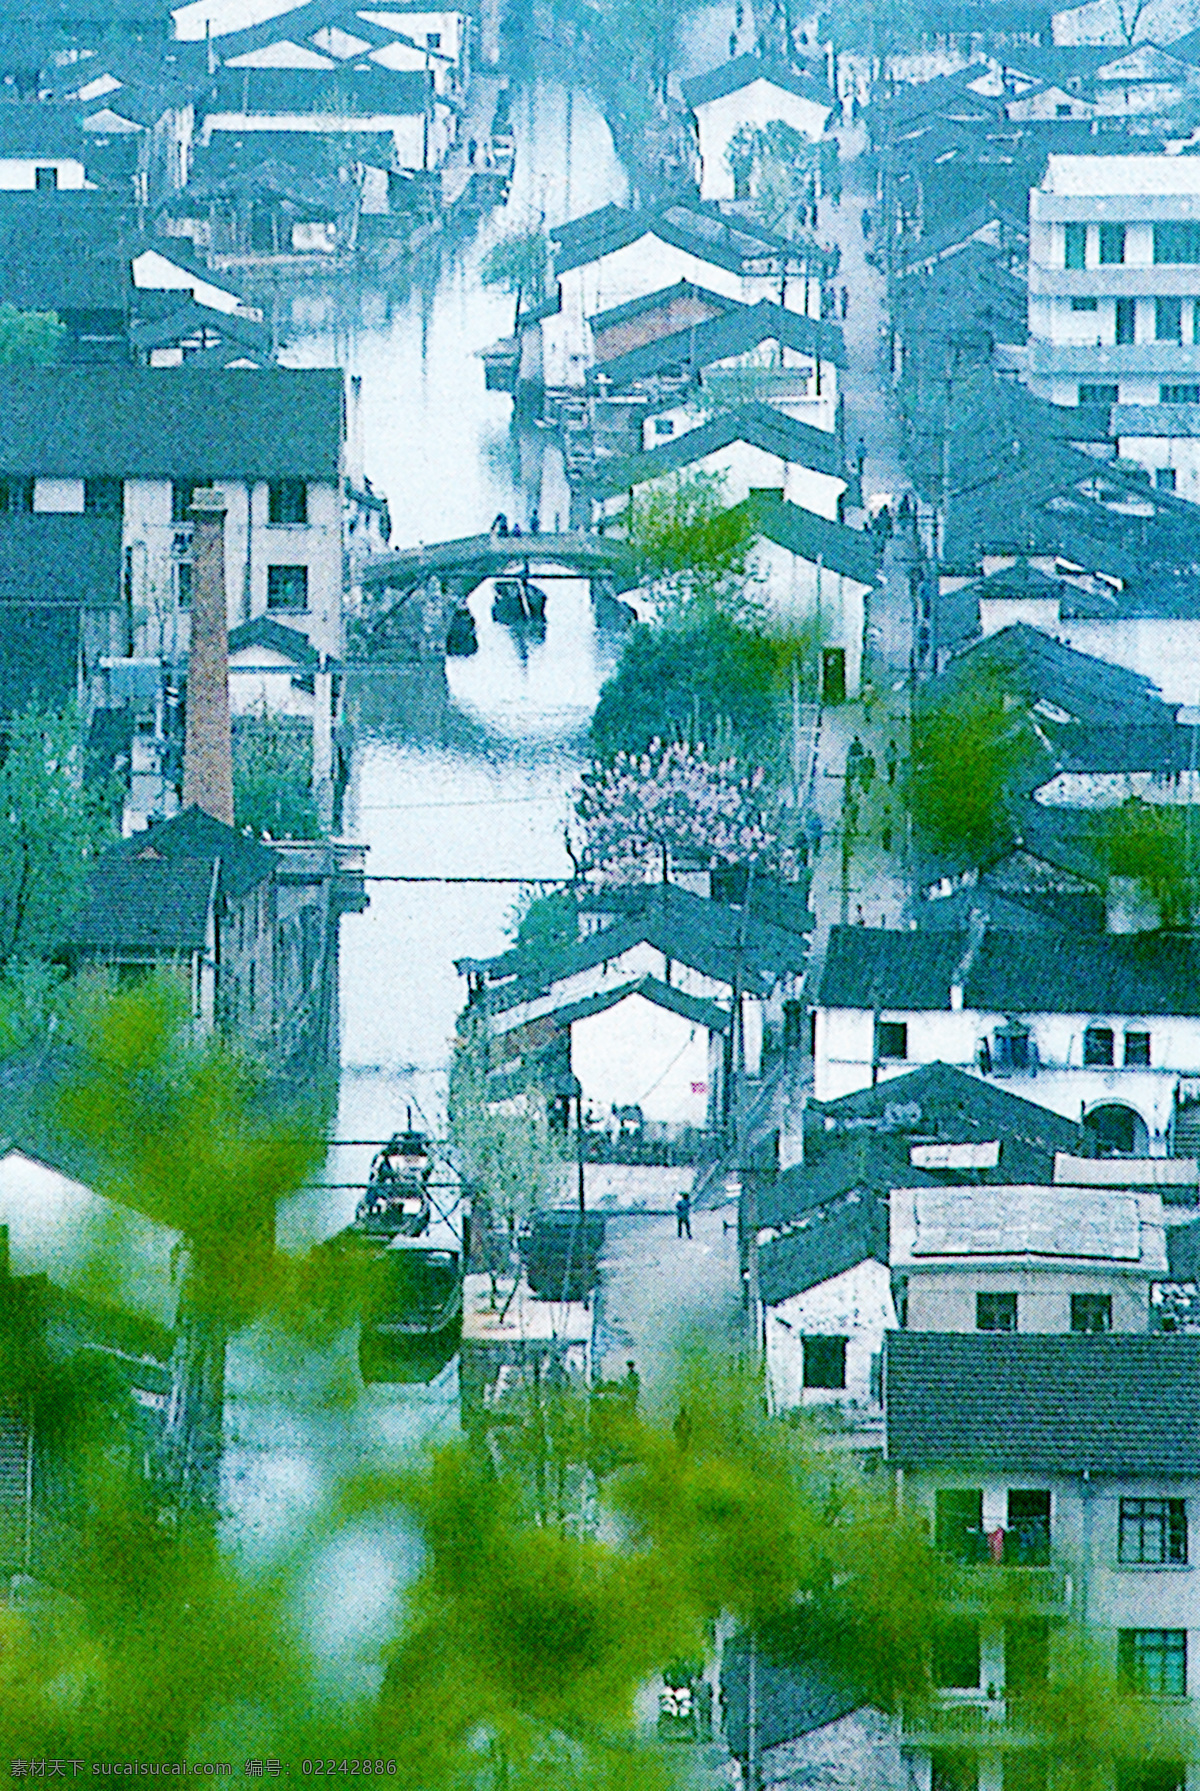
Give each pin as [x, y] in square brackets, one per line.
[560, 1556]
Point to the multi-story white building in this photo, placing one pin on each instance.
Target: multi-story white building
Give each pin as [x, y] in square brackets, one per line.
[134, 442]
[1100, 1028]
[1053, 1259]
[1060, 1479]
[1114, 288]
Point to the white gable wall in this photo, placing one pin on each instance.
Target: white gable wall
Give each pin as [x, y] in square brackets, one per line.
[1165, 649]
[845, 1039]
[857, 1305]
[93, 1247]
[797, 590]
[1181, 453]
[744, 467]
[756, 104]
[637, 1054]
[633, 272]
[19, 174]
[149, 536]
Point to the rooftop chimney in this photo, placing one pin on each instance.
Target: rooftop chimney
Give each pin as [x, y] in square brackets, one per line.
[208, 743]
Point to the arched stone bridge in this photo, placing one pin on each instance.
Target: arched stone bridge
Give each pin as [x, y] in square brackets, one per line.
[410, 595]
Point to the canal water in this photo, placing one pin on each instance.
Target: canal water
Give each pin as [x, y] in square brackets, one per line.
[463, 772]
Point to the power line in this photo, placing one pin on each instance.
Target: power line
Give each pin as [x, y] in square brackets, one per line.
[407, 877]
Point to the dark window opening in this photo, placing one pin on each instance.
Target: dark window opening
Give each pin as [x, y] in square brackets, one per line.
[16, 497]
[287, 501]
[1025, 1770]
[1126, 322]
[956, 1655]
[182, 491]
[183, 584]
[1013, 1049]
[891, 1039]
[995, 1312]
[958, 1524]
[1164, 479]
[1075, 245]
[287, 589]
[1091, 1314]
[1177, 244]
[951, 1769]
[1026, 1655]
[1085, 304]
[1153, 1533]
[1027, 1539]
[1118, 1131]
[1112, 244]
[1189, 394]
[1097, 394]
[104, 497]
[45, 180]
[1098, 1047]
[1168, 320]
[825, 1362]
[1152, 1663]
[1159, 1775]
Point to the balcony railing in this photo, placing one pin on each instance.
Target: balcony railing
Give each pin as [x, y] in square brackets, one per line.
[998, 1583]
[968, 1721]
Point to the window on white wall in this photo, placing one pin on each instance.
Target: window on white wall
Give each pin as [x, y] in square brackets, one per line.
[825, 1362]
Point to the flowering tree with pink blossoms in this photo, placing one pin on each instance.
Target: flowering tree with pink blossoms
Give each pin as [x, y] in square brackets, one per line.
[639, 810]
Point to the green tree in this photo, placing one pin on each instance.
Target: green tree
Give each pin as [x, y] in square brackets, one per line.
[972, 753]
[779, 169]
[183, 1129]
[691, 550]
[503, 1150]
[29, 338]
[520, 264]
[51, 827]
[1150, 843]
[272, 777]
[543, 921]
[716, 681]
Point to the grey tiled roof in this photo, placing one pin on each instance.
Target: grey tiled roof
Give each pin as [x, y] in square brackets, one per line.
[1013, 972]
[790, 1700]
[654, 301]
[883, 967]
[265, 631]
[738, 329]
[850, 552]
[824, 1243]
[1171, 420]
[151, 892]
[799, 444]
[1117, 1404]
[691, 929]
[42, 130]
[168, 422]
[145, 907]
[861, 1143]
[363, 88]
[674, 1001]
[730, 243]
[731, 77]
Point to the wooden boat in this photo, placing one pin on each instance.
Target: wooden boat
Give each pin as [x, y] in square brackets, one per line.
[396, 1201]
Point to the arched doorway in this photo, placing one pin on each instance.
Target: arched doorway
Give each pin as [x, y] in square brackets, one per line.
[1118, 1130]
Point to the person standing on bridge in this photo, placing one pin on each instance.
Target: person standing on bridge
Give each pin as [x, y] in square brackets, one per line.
[499, 524]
